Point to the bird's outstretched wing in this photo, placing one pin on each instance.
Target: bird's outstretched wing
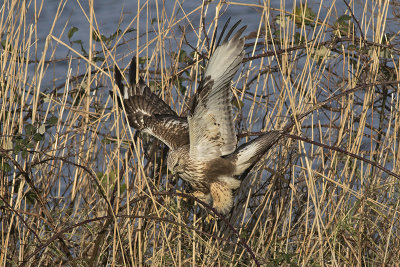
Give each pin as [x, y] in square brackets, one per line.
[149, 113]
[211, 128]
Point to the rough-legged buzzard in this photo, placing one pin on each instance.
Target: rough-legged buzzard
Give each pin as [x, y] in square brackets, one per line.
[203, 146]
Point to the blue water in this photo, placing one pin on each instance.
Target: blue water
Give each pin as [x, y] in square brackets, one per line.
[114, 15]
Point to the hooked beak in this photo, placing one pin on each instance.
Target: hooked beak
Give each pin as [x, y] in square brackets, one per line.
[177, 170]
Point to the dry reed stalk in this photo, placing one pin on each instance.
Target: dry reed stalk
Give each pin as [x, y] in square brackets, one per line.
[79, 188]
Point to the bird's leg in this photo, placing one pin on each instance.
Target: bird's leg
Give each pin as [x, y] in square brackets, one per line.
[200, 195]
[205, 197]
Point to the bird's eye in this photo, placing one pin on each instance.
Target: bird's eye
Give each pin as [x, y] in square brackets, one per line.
[176, 163]
[176, 167]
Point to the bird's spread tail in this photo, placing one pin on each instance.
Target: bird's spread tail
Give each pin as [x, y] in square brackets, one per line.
[249, 153]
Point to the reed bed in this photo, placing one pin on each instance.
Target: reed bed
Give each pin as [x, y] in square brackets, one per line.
[79, 187]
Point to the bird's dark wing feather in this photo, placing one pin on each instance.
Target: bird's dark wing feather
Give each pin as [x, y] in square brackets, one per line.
[149, 113]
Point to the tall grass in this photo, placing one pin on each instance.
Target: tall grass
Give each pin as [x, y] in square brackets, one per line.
[79, 187]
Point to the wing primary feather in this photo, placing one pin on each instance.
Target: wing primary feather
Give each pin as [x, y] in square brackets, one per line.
[207, 82]
[118, 79]
[212, 46]
[132, 72]
[223, 31]
[239, 32]
[231, 31]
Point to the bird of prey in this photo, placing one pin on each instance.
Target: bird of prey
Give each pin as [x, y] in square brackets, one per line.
[203, 146]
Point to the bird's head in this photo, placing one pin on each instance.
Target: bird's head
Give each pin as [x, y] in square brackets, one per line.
[176, 161]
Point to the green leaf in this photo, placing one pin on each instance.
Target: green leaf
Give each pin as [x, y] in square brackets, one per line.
[25, 141]
[5, 167]
[182, 89]
[24, 154]
[297, 38]
[30, 129]
[20, 144]
[95, 36]
[343, 22]
[142, 60]
[237, 103]
[342, 25]
[122, 188]
[17, 148]
[343, 18]
[3, 44]
[38, 137]
[182, 56]
[9, 47]
[52, 121]
[72, 31]
[154, 86]
[304, 14]
[112, 176]
[30, 197]
[30, 145]
[180, 86]
[98, 37]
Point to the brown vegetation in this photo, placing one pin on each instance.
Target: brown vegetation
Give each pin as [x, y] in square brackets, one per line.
[79, 188]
